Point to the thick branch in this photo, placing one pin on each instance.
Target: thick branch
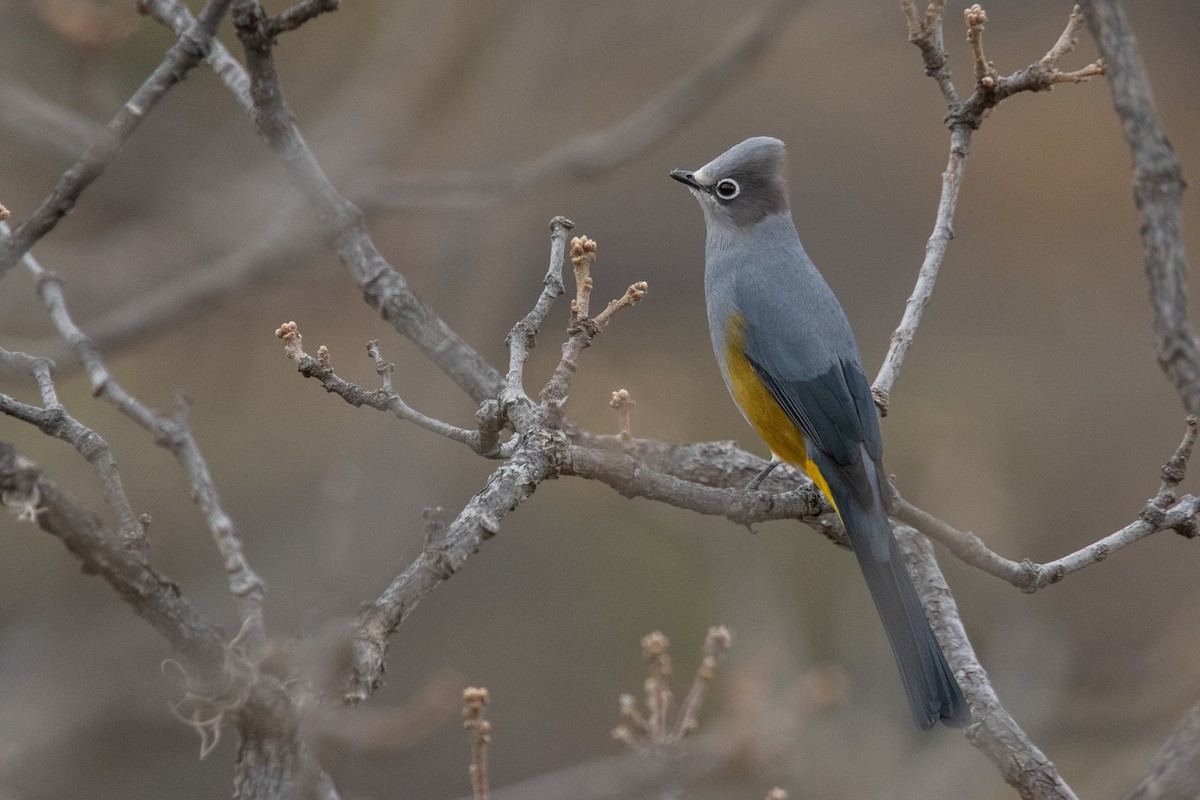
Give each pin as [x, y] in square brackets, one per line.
[1175, 771]
[962, 117]
[510, 485]
[1158, 191]
[152, 596]
[341, 223]
[631, 477]
[993, 730]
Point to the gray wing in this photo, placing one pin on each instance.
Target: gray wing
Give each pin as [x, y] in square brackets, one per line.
[833, 408]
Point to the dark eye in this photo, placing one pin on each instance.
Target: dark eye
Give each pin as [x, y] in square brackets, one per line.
[727, 189]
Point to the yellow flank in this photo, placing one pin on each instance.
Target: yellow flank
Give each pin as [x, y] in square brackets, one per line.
[785, 439]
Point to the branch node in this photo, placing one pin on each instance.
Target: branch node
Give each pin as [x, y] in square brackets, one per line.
[1152, 513]
[882, 400]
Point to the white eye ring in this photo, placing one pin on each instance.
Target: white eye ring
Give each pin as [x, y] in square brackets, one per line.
[727, 189]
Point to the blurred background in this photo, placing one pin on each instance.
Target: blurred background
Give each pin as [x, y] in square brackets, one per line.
[1030, 410]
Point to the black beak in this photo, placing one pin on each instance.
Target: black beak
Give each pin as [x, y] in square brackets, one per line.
[687, 178]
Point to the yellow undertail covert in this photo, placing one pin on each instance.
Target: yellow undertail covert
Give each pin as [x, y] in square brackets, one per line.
[783, 436]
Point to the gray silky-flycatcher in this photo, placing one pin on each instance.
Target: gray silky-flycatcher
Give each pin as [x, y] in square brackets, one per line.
[790, 361]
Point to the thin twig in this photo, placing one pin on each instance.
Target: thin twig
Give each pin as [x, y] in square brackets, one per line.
[659, 734]
[963, 118]
[1161, 513]
[926, 33]
[341, 223]
[183, 55]
[716, 643]
[176, 17]
[583, 328]
[382, 399]
[985, 71]
[53, 420]
[291, 18]
[523, 336]
[935, 252]
[170, 432]
[479, 732]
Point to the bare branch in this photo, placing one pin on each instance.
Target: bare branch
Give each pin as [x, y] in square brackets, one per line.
[633, 295]
[479, 732]
[926, 33]
[587, 155]
[716, 643]
[523, 336]
[631, 475]
[1161, 513]
[985, 71]
[993, 730]
[963, 118]
[53, 420]
[935, 252]
[582, 329]
[511, 484]
[182, 56]
[176, 17]
[583, 255]
[154, 597]
[1158, 192]
[660, 733]
[1175, 771]
[383, 399]
[341, 223]
[1042, 74]
[172, 433]
[291, 18]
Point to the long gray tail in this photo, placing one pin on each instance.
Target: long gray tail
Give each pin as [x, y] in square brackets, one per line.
[932, 691]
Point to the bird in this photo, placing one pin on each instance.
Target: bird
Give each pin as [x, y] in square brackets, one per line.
[790, 361]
